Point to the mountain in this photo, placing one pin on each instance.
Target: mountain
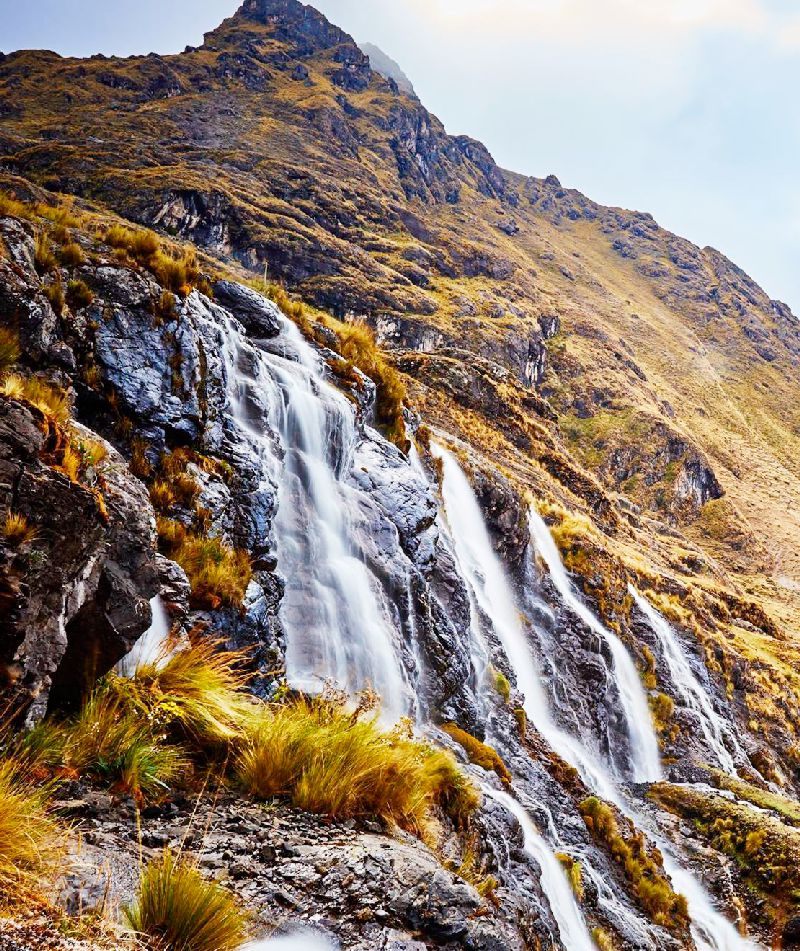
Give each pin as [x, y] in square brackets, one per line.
[289, 363]
[387, 67]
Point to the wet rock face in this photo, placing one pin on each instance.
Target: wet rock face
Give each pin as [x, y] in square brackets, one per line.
[75, 597]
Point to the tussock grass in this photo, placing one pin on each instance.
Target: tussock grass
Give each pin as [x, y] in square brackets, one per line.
[50, 400]
[219, 574]
[71, 254]
[55, 294]
[176, 909]
[16, 530]
[479, 753]
[79, 295]
[110, 742]
[31, 843]
[199, 692]
[175, 269]
[329, 760]
[43, 257]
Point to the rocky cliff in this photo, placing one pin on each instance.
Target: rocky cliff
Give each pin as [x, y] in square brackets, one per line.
[166, 430]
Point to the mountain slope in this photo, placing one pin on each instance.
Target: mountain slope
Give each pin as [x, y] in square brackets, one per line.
[643, 391]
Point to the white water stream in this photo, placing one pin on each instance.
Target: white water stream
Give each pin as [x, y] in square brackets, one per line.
[484, 572]
[336, 616]
[149, 649]
[645, 762]
[693, 694]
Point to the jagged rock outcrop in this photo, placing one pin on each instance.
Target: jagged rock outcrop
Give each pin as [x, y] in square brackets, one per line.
[75, 598]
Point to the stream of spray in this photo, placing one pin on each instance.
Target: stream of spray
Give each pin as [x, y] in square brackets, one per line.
[334, 612]
[693, 694]
[484, 572]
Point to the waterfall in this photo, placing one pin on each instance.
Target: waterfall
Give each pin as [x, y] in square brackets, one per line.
[710, 929]
[691, 692]
[486, 579]
[645, 763]
[336, 617]
[149, 648]
[571, 925]
[484, 573]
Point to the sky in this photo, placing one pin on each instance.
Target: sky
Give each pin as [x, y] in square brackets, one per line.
[688, 109]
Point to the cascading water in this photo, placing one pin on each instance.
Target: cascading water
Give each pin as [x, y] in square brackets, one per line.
[335, 615]
[486, 579]
[693, 694]
[484, 573]
[645, 762]
[571, 925]
[711, 930]
[149, 649]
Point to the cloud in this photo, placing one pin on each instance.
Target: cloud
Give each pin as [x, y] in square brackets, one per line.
[586, 20]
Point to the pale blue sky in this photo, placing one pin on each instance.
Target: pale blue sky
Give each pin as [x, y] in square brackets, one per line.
[689, 109]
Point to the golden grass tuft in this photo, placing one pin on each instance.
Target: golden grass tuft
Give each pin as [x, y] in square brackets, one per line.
[9, 349]
[50, 400]
[219, 574]
[327, 759]
[78, 295]
[479, 753]
[114, 744]
[55, 294]
[198, 692]
[71, 254]
[43, 257]
[31, 843]
[16, 530]
[176, 909]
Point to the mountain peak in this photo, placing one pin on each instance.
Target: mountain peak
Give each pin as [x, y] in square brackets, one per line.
[388, 68]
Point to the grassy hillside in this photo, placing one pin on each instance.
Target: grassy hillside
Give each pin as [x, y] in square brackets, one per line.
[645, 391]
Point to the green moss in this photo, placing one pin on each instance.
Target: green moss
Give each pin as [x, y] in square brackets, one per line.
[501, 685]
[574, 873]
[766, 850]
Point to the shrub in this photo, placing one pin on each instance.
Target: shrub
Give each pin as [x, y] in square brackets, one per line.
[644, 870]
[43, 256]
[328, 760]
[177, 909]
[9, 349]
[31, 844]
[78, 295]
[479, 753]
[603, 940]
[16, 531]
[71, 254]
